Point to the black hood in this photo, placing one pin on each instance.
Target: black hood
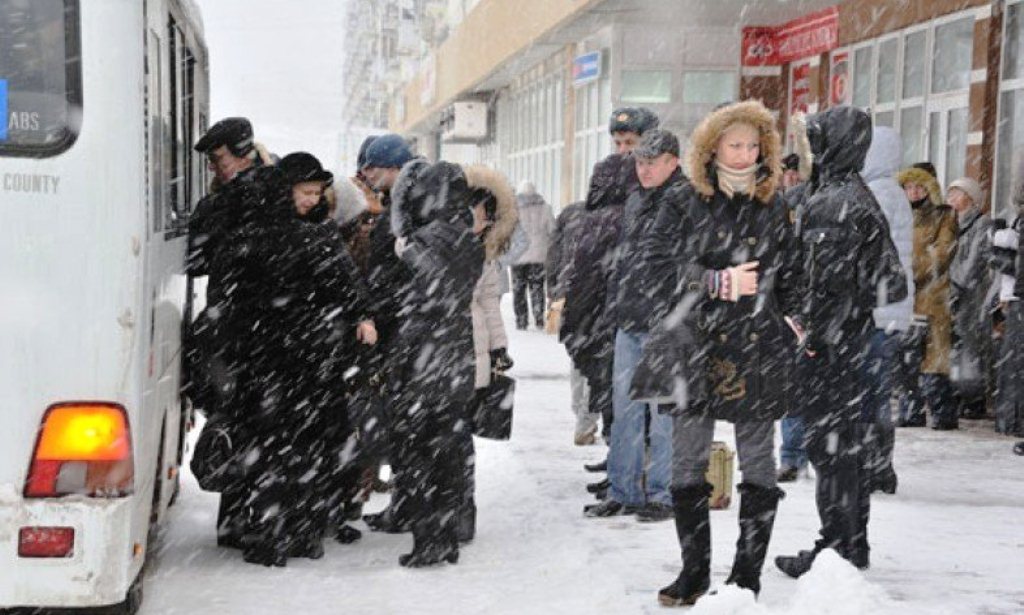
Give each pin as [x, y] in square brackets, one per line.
[611, 181]
[427, 192]
[840, 138]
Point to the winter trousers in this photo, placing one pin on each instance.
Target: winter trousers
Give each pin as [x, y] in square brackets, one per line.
[832, 438]
[1009, 398]
[935, 392]
[528, 278]
[586, 421]
[691, 450]
[878, 376]
[427, 448]
[630, 484]
[792, 453]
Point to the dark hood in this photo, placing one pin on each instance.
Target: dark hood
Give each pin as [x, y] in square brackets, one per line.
[840, 138]
[428, 192]
[611, 181]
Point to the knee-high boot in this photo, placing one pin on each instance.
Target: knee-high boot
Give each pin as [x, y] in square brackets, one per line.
[757, 518]
[693, 527]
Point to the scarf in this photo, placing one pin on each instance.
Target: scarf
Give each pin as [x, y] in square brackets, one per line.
[731, 181]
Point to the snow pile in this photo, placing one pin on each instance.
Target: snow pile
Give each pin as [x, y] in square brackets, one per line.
[835, 587]
[832, 587]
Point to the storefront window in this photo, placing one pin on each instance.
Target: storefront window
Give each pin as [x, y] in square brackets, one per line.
[862, 77]
[914, 64]
[885, 118]
[910, 134]
[1011, 137]
[956, 144]
[646, 86]
[709, 87]
[951, 65]
[888, 55]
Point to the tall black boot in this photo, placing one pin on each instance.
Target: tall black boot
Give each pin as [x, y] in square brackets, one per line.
[757, 518]
[885, 479]
[693, 527]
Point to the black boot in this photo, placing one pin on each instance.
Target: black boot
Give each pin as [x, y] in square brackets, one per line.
[757, 518]
[693, 528]
[386, 521]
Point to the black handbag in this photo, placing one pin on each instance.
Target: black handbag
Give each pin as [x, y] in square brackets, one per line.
[492, 408]
[672, 368]
[218, 458]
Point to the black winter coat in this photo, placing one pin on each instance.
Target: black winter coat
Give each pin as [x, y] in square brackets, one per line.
[639, 299]
[588, 328]
[746, 349]
[568, 226]
[435, 356]
[290, 294]
[850, 264]
[387, 277]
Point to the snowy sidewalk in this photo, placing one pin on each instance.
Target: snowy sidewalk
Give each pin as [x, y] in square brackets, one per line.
[951, 541]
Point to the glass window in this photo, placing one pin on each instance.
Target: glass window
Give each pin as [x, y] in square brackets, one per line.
[956, 144]
[709, 87]
[888, 55]
[914, 63]
[885, 118]
[1011, 138]
[862, 77]
[646, 86]
[951, 64]
[910, 134]
[606, 102]
[935, 138]
[40, 77]
[1013, 42]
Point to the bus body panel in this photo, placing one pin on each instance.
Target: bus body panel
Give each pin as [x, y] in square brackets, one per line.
[94, 293]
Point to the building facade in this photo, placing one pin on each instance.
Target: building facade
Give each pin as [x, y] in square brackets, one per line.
[947, 74]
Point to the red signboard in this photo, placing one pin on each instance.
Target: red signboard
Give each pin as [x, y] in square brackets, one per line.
[810, 35]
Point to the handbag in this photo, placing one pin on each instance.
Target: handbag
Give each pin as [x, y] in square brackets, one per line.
[672, 368]
[217, 461]
[492, 408]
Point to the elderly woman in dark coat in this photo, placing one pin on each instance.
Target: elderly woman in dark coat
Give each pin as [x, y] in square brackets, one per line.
[290, 294]
[729, 247]
[434, 377]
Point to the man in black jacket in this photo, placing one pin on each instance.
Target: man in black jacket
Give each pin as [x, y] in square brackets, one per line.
[638, 302]
[850, 266]
[212, 372]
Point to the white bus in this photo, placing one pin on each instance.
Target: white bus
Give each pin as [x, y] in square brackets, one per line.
[100, 102]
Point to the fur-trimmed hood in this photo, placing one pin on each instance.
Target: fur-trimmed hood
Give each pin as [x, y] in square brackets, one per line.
[704, 143]
[923, 178]
[507, 214]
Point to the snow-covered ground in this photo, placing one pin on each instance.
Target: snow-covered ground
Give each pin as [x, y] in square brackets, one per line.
[950, 542]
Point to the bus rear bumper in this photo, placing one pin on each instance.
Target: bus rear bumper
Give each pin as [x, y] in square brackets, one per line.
[96, 573]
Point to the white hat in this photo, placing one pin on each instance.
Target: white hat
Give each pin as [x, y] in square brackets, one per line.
[971, 188]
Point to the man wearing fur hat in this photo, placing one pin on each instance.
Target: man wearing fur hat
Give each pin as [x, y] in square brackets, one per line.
[934, 246]
[970, 283]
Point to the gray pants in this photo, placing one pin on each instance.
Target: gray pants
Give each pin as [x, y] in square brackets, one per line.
[691, 446]
[585, 421]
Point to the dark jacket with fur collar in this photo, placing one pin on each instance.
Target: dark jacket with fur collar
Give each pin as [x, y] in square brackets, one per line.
[740, 366]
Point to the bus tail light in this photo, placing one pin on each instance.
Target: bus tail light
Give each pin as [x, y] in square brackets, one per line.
[83, 448]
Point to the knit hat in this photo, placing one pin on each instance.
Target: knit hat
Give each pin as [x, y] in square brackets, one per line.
[656, 143]
[361, 157]
[388, 151]
[970, 187]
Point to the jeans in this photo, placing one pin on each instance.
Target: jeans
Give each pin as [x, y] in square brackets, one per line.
[755, 444]
[626, 454]
[792, 451]
[528, 278]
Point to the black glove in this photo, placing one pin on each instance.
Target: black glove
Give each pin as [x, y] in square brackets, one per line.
[500, 361]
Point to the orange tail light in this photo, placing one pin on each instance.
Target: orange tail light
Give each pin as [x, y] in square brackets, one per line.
[83, 448]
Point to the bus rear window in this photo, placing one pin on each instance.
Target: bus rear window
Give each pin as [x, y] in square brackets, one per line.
[40, 77]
